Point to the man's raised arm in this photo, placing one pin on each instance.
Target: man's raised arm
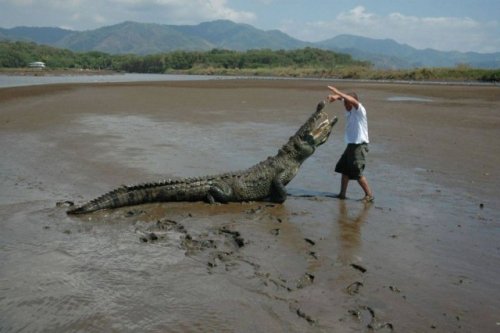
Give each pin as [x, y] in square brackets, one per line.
[347, 97]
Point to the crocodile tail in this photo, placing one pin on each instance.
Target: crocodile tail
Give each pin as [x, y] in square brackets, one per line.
[122, 196]
[170, 190]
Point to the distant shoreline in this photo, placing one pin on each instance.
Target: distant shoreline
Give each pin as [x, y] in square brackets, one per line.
[54, 72]
[42, 74]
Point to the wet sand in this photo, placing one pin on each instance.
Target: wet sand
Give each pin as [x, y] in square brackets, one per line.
[424, 257]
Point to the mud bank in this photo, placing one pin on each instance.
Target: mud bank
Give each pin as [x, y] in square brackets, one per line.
[423, 258]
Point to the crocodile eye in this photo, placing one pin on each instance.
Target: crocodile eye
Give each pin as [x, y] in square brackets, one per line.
[309, 139]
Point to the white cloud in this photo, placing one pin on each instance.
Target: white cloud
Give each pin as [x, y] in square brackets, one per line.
[441, 33]
[357, 14]
[89, 14]
[187, 11]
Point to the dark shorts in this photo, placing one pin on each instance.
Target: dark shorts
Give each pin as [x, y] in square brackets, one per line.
[352, 161]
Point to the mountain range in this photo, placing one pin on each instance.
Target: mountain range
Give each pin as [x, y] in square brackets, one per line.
[148, 38]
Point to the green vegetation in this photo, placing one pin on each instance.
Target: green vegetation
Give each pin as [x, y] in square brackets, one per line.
[306, 62]
[224, 61]
[20, 54]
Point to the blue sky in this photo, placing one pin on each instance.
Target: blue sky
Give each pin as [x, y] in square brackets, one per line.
[462, 25]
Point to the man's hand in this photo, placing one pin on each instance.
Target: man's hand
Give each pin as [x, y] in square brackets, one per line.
[333, 97]
[350, 100]
[334, 90]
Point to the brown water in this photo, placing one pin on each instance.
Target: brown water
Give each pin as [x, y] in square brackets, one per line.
[424, 257]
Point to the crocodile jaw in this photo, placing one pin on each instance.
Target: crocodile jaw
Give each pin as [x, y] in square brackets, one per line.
[322, 129]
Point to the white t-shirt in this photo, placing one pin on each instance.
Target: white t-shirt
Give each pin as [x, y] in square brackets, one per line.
[356, 128]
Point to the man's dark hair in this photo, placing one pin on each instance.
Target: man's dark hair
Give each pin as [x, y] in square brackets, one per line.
[353, 94]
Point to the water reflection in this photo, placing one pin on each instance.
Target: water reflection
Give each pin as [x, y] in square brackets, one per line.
[349, 221]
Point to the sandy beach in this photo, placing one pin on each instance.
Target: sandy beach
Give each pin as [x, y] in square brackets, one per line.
[423, 258]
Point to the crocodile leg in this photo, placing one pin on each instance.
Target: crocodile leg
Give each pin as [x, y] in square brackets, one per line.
[219, 192]
[278, 191]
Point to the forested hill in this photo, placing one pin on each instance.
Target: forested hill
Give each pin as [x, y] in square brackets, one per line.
[146, 38]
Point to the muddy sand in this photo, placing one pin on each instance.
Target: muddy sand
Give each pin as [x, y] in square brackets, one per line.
[424, 257]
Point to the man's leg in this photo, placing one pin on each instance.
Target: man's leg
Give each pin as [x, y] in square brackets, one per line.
[343, 186]
[363, 182]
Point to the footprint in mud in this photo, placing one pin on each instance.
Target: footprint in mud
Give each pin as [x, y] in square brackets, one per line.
[275, 232]
[149, 237]
[366, 315]
[295, 307]
[217, 258]
[306, 280]
[217, 247]
[359, 268]
[193, 246]
[310, 241]
[307, 317]
[159, 230]
[236, 236]
[170, 225]
[354, 288]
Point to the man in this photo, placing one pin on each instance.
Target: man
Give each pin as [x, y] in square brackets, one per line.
[352, 162]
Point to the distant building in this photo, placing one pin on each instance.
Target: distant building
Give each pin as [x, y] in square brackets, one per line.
[37, 64]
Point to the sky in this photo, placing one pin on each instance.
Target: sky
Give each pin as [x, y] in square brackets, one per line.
[446, 25]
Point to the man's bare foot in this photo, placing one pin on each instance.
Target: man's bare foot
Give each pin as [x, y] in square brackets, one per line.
[368, 199]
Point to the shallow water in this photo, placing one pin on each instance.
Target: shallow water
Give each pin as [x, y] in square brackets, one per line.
[30, 80]
[408, 99]
[424, 255]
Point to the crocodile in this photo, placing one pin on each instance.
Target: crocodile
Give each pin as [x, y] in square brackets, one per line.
[264, 181]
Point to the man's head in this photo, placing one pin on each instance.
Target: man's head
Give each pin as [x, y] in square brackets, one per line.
[348, 105]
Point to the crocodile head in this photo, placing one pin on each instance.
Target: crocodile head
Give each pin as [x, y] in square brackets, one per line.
[317, 128]
[315, 131]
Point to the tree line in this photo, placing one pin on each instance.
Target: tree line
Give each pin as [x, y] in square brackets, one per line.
[306, 62]
[20, 54]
